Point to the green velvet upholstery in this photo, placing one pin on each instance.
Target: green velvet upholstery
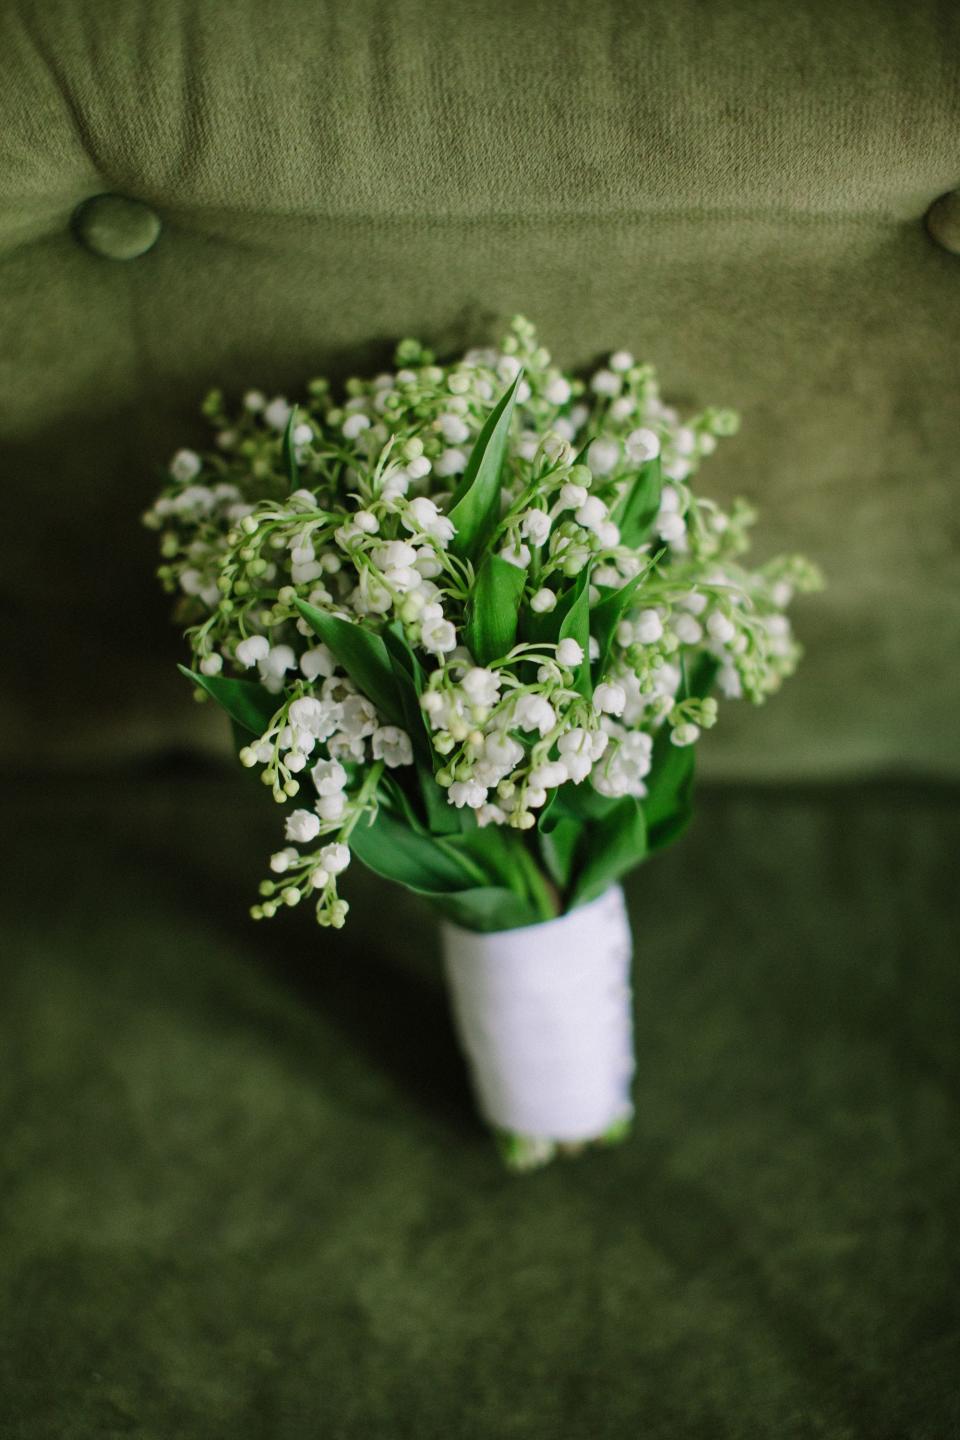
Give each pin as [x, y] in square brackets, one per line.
[246, 1195]
[245, 1192]
[733, 189]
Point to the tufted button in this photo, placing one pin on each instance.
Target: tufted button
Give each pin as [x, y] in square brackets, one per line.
[943, 221]
[116, 227]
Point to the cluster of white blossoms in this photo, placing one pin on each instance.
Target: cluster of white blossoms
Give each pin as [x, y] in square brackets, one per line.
[344, 505]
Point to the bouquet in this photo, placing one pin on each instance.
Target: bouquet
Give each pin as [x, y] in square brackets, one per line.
[469, 622]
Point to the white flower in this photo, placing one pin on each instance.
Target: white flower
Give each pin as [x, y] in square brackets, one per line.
[685, 734]
[605, 382]
[647, 627]
[577, 751]
[482, 687]
[277, 413]
[671, 527]
[319, 718]
[278, 660]
[543, 602]
[609, 698]
[185, 465]
[254, 400]
[302, 826]
[548, 776]
[535, 525]
[627, 763]
[569, 653]
[394, 555]
[282, 860]
[331, 807]
[355, 424]
[516, 554]
[621, 360]
[250, 651]
[687, 630]
[608, 534]
[329, 777]
[359, 717]
[335, 858]
[642, 445]
[557, 448]
[211, 664]
[302, 434]
[603, 455]
[304, 572]
[591, 513]
[491, 815]
[450, 462]
[454, 429]
[422, 515]
[572, 496]
[318, 661]
[557, 390]
[728, 682]
[508, 368]
[534, 712]
[419, 467]
[502, 751]
[395, 485]
[392, 745]
[467, 792]
[194, 497]
[366, 522]
[438, 636]
[721, 627]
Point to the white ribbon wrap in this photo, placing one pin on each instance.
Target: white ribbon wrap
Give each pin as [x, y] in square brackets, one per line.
[544, 1015]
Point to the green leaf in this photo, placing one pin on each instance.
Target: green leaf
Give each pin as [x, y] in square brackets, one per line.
[475, 507]
[558, 846]
[287, 451]
[668, 805]
[441, 817]
[608, 612]
[392, 849]
[249, 705]
[639, 508]
[491, 629]
[362, 654]
[614, 846]
[486, 909]
[575, 625]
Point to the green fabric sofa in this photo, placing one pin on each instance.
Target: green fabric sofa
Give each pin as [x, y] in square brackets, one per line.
[245, 1194]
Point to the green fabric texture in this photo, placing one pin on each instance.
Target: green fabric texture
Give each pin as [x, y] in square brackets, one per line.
[246, 1194]
[735, 191]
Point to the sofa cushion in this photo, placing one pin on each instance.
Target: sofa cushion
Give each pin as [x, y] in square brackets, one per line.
[735, 191]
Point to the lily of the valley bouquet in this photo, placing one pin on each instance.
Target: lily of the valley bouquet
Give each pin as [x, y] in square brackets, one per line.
[469, 623]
